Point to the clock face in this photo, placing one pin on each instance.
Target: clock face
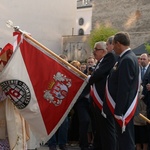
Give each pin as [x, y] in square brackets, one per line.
[81, 21]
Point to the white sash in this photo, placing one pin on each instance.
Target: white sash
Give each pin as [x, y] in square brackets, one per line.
[98, 101]
[125, 119]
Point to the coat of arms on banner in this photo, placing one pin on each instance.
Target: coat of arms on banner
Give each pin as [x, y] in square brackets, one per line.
[57, 89]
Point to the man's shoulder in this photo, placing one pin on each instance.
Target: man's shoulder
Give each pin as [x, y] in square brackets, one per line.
[130, 56]
[111, 56]
[148, 66]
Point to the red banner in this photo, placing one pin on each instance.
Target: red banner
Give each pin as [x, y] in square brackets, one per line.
[42, 88]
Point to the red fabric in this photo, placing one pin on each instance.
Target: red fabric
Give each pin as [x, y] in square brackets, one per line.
[96, 101]
[126, 119]
[6, 53]
[41, 69]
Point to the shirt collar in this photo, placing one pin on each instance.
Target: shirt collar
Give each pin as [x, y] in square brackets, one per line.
[125, 51]
[146, 67]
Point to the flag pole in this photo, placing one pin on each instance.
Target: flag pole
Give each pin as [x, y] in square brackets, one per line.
[145, 118]
[51, 52]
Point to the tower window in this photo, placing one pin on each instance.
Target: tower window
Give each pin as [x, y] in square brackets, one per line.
[81, 32]
[81, 21]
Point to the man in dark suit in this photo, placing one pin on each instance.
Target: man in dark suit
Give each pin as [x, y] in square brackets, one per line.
[103, 138]
[122, 89]
[146, 99]
[145, 67]
[145, 70]
[146, 87]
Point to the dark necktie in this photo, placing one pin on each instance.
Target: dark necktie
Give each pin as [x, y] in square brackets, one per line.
[142, 72]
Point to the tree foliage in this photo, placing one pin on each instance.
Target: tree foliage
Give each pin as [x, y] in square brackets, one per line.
[101, 34]
[147, 47]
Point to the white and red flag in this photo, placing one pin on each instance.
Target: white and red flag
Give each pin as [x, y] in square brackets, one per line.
[41, 87]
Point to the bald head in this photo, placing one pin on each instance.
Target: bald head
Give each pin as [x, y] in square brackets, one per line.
[144, 59]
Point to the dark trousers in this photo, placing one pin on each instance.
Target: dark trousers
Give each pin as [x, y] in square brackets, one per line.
[60, 137]
[148, 126]
[73, 133]
[82, 108]
[97, 127]
[105, 132]
[108, 133]
[126, 140]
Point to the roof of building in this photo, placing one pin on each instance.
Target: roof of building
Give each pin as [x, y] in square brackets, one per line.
[140, 49]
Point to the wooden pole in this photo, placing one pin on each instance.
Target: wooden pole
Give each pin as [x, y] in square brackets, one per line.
[145, 118]
[52, 53]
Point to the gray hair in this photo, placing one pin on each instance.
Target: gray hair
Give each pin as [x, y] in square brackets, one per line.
[102, 44]
[110, 39]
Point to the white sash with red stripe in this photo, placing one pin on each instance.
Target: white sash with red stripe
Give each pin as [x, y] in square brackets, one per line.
[98, 101]
[122, 120]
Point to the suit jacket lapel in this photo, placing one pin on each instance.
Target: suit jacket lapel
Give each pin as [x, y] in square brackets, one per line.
[147, 72]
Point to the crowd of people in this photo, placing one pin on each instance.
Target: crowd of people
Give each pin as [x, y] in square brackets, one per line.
[106, 114]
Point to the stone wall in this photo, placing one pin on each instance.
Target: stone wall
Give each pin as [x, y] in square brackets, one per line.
[132, 16]
[76, 47]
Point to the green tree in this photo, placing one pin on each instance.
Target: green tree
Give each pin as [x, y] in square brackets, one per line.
[147, 47]
[101, 34]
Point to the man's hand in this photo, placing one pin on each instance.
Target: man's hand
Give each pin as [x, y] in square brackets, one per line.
[148, 87]
[141, 97]
[87, 79]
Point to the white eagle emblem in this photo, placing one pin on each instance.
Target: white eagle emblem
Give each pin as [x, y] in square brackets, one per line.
[57, 89]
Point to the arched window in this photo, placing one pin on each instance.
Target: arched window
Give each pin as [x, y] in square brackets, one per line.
[81, 32]
[81, 21]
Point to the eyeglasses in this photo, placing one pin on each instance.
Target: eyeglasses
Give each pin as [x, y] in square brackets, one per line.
[96, 49]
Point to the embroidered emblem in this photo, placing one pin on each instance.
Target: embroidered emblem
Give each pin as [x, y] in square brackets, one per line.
[18, 92]
[57, 89]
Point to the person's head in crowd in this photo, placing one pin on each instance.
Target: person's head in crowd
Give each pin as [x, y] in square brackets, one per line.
[63, 57]
[76, 64]
[109, 44]
[144, 59]
[99, 50]
[91, 61]
[121, 42]
[83, 67]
